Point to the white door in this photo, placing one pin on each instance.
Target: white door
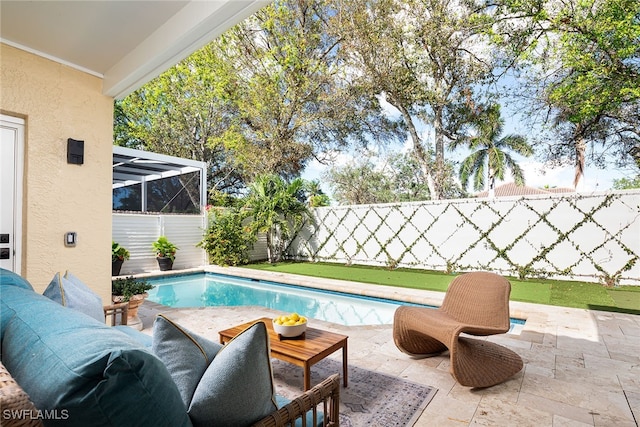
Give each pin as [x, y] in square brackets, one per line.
[11, 167]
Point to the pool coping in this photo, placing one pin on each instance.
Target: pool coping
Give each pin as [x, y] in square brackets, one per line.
[535, 316]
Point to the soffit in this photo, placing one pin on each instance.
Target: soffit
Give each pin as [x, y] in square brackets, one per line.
[127, 43]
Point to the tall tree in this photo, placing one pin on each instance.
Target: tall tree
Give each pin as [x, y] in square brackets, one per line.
[396, 177]
[490, 157]
[359, 182]
[426, 58]
[586, 69]
[315, 196]
[292, 97]
[180, 113]
[266, 97]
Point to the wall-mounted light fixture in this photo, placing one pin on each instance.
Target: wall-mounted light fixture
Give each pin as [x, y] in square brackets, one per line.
[75, 151]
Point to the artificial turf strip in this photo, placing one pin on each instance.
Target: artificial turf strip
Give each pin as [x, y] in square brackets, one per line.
[625, 298]
[405, 278]
[552, 292]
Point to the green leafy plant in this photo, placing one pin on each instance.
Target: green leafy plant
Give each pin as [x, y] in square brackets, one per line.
[164, 248]
[118, 252]
[276, 209]
[128, 287]
[227, 241]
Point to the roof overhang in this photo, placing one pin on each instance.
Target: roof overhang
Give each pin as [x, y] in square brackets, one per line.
[126, 43]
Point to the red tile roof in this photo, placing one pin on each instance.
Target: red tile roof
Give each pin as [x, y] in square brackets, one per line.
[511, 189]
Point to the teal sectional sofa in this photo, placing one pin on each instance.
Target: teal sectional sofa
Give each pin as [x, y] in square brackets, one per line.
[79, 372]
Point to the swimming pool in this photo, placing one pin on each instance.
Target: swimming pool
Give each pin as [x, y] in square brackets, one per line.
[212, 289]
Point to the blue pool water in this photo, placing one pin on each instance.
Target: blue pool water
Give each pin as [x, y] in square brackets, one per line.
[210, 289]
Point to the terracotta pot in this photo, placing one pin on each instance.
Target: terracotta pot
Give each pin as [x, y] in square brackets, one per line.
[134, 303]
[132, 313]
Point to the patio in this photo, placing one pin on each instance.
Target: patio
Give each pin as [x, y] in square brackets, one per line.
[582, 367]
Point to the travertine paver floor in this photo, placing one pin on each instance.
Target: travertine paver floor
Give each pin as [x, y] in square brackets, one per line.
[582, 367]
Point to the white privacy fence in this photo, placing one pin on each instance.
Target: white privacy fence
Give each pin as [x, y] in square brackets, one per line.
[584, 237]
[137, 232]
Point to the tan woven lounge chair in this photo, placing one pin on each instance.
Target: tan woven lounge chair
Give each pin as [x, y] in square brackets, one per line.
[475, 304]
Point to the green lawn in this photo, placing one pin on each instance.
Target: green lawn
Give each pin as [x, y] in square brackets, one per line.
[625, 299]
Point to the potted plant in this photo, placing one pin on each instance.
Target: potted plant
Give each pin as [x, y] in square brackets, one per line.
[165, 253]
[133, 291]
[118, 255]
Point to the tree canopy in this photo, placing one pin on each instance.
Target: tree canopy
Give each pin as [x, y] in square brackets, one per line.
[427, 58]
[264, 98]
[391, 178]
[308, 79]
[582, 59]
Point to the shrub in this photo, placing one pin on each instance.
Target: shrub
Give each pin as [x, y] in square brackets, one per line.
[227, 240]
[129, 286]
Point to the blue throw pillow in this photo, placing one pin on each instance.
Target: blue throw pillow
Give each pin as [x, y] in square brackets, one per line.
[185, 354]
[69, 291]
[9, 278]
[83, 371]
[141, 338]
[10, 281]
[237, 387]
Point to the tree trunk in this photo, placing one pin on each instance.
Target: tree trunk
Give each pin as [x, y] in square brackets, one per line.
[418, 151]
[439, 168]
[269, 247]
[581, 148]
[492, 184]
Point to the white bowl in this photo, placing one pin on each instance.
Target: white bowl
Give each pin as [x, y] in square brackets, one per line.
[290, 331]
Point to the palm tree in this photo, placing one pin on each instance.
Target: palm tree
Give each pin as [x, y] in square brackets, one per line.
[276, 207]
[489, 157]
[316, 196]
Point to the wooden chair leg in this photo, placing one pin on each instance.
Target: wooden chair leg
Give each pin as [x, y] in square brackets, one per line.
[113, 310]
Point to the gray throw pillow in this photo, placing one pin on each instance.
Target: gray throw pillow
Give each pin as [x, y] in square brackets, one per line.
[185, 354]
[237, 387]
[69, 291]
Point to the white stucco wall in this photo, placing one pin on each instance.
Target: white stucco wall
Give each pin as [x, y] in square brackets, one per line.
[58, 102]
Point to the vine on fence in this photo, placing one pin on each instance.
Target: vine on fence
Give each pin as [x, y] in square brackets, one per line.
[387, 230]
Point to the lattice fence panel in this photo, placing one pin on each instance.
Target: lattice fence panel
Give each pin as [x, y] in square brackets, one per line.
[588, 237]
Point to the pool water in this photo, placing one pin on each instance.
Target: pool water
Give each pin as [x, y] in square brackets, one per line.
[210, 289]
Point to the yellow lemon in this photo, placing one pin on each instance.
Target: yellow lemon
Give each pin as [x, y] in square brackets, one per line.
[290, 322]
[295, 317]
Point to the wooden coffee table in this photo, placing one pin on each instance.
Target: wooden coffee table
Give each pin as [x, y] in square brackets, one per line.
[316, 345]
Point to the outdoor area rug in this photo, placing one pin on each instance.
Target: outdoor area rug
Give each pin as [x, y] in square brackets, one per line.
[370, 398]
